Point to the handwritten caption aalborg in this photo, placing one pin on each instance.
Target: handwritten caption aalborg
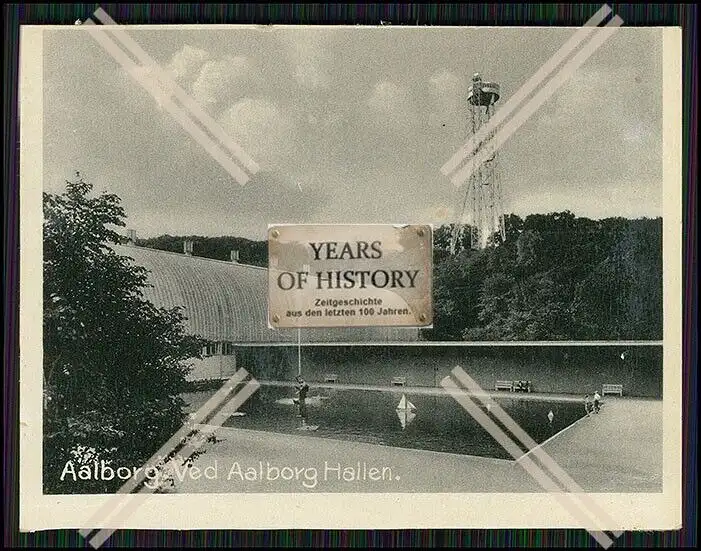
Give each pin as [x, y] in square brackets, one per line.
[323, 276]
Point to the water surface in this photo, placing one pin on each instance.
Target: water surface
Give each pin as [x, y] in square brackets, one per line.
[438, 423]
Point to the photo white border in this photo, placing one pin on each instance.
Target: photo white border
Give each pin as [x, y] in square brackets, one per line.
[631, 511]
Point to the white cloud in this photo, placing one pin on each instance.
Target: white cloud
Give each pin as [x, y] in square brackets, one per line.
[387, 97]
[446, 85]
[183, 66]
[310, 76]
[219, 79]
[637, 133]
[309, 59]
[632, 200]
[597, 98]
[262, 129]
[391, 108]
[148, 78]
[446, 109]
[186, 62]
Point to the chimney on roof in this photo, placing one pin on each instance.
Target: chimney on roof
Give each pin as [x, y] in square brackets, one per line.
[131, 237]
[187, 247]
[234, 256]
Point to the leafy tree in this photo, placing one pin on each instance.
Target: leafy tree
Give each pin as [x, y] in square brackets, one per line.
[535, 308]
[114, 364]
[554, 277]
[457, 282]
[621, 297]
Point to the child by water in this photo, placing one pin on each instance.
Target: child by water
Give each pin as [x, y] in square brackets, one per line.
[302, 390]
[587, 404]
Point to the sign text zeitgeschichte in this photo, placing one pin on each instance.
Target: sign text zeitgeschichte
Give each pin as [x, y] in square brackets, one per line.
[350, 275]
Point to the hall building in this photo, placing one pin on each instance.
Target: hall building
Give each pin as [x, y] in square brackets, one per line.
[226, 303]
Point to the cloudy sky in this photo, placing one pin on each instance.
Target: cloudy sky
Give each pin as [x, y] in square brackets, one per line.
[350, 124]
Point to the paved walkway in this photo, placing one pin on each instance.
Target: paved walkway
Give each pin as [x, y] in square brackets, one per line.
[618, 450]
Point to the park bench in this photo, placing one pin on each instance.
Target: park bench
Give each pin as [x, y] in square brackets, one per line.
[611, 389]
[398, 381]
[330, 378]
[504, 385]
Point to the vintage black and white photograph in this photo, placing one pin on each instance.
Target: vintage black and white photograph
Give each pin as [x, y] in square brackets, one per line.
[536, 156]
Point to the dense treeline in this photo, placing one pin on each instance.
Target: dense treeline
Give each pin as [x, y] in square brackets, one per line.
[554, 277]
[254, 253]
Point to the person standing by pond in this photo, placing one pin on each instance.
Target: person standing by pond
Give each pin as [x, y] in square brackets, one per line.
[597, 401]
[587, 405]
[302, 391]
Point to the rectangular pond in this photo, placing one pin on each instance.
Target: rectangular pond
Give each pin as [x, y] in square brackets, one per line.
[436, 423]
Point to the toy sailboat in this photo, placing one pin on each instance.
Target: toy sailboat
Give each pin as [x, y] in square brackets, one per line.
[405, 411]
[405, 404]
[406, 416]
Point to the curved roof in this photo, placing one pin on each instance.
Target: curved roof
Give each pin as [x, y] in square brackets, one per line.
[227, 301]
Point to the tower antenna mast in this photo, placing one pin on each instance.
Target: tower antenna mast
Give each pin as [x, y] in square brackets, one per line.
[482, 206]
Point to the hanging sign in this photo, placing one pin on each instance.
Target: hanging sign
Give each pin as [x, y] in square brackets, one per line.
[350, 275]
